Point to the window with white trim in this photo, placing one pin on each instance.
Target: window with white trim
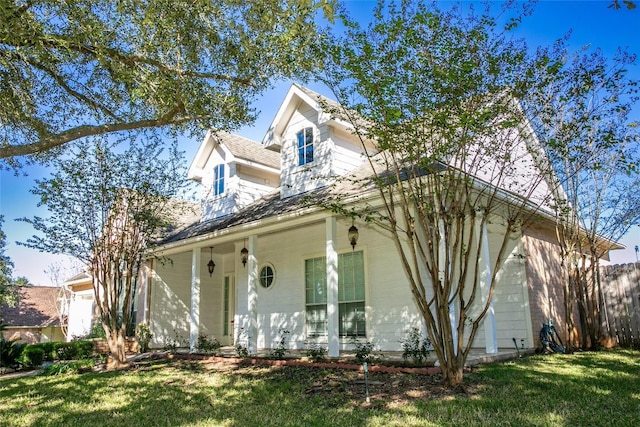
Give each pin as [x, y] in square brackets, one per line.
[218, 179]
[351, 295]
[266, 276]
[305, 146]
[315, 283]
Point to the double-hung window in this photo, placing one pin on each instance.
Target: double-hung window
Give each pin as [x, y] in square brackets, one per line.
[305, 146]
[218, 179]
[315, 283]
[351, 295]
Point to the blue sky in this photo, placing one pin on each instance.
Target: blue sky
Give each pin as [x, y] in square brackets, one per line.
[591, 22]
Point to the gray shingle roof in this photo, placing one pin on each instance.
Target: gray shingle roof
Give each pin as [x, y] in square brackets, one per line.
[246, 149]
[37, 306]
[266, 207]
[357, 183]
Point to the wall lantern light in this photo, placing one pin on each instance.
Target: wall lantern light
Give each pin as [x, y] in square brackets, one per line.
[244, 255]
[211, 265]
[353, 236]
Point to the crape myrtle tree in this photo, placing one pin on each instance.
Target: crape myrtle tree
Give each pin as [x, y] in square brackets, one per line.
[106, 205]
[433, 95]
[72, 69]
[587, 123]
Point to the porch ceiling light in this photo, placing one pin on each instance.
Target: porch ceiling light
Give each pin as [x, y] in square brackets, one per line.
[211, 265]
[353, 236]
[244, 255]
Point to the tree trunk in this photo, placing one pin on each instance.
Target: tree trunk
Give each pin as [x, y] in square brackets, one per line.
[452, 372]
[116, 341]
[569, 311]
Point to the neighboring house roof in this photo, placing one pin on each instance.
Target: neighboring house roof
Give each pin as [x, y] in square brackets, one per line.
[36, 307]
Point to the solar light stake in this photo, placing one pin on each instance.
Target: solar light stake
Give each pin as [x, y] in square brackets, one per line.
[366, 380]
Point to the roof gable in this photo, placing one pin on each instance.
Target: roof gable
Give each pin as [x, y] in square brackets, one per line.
[294, 97]
[236, 149]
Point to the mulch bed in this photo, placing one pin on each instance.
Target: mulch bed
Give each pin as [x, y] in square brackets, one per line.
[384, 387]
[332, 364]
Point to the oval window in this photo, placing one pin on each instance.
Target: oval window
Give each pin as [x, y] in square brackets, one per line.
[267, 276]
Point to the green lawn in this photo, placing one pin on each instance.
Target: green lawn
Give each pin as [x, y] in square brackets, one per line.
[586, 389]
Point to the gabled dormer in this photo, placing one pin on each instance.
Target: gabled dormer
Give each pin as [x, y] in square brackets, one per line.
[314, 147]
[234, 171]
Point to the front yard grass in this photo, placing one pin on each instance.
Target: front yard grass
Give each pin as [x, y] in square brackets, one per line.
[595, 389]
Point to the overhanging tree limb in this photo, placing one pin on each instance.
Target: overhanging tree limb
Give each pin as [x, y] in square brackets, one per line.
[47, 142]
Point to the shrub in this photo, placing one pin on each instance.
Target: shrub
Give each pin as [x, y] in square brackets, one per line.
[242, 351]
[144, 336]
[282, 348]
[209, 346]
[83, 348]
[364, 352]
[97, 331]
[316, 352]
[64, 351]
[173, 344]
[32, 356]
[49, 349]
[74, 350]
[416, 347]
[10, 352]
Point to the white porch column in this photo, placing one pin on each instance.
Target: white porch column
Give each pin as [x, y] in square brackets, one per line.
[147, 275]
[194, 324]
[333, 329]
[490, 336]
[252, 296]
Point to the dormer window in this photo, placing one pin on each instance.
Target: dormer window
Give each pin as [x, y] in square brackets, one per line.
[218, 180]
[305, 146]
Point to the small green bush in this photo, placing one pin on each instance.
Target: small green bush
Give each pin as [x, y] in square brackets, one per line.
[97, 331]
[206, 345]
[83, 348]
[316, 352]
[242, 344]
[74, 350]
[364, 352]
[242, 351]
[64, 351]
[416, 347]
[49, 349]
[283, 347]
[32, 356]
[144, 336]
[173, 344]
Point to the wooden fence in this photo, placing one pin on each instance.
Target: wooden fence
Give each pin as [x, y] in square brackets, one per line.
[621, 294]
